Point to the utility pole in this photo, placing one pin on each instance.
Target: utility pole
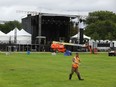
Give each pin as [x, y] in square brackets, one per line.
[15, 36]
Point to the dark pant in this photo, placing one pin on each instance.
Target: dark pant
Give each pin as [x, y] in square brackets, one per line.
[77, 73]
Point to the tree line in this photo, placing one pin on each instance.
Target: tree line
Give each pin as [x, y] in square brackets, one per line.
[101, 25]
[10, 25]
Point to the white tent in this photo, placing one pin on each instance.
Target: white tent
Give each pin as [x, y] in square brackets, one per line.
[23, 37]
[12, 33]
[77, 36]
[22, 32]
[3, 38]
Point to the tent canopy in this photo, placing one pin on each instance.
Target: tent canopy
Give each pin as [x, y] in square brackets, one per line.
[22, 32]
[12, 32]
[23, 37]
[3, 38]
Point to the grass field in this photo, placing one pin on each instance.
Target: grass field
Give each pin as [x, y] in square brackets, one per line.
[45, 70]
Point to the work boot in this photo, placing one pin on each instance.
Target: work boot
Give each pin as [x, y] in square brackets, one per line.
[79, 77]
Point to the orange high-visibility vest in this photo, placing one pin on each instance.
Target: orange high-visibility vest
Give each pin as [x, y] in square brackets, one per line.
[75, 63]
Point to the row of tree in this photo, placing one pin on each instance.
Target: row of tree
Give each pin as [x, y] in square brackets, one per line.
[101, 25]
[10, 25]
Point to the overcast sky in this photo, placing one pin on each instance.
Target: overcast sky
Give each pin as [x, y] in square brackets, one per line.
[8, 8]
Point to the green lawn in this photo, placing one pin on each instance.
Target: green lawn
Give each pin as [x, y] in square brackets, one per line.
[45, 70]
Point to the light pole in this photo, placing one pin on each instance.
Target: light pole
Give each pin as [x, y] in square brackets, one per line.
[15, 36]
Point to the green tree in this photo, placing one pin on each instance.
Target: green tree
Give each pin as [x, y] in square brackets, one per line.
[95, 36]
[101, 22]
[8, 26]
[109, 36]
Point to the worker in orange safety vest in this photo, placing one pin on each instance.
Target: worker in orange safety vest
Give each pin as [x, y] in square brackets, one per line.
[75, 65]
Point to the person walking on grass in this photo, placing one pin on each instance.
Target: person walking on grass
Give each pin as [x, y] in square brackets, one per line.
[75, 65]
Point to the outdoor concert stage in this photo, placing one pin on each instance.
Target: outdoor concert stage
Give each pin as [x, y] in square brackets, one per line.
[46, 27]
